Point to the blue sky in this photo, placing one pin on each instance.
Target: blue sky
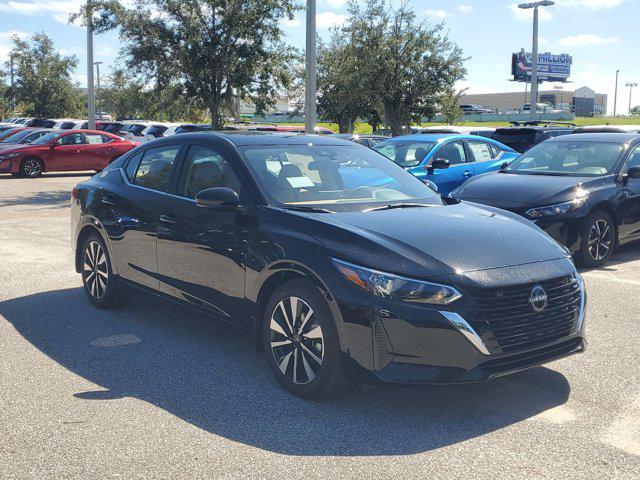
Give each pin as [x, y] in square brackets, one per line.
[601, 35]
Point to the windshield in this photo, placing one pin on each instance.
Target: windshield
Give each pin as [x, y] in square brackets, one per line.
[578, 159]
[407, 154]
[16, 137]
[336, 177]
[45, 138]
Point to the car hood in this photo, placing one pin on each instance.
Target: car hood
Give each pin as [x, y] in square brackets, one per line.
[432, 241]
[515, 191]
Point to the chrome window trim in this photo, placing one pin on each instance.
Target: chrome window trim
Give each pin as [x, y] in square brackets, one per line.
[466, 330]
[128, 183]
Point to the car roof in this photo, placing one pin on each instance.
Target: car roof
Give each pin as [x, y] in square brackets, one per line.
[243, 138]
[597, 137]
[435, 137]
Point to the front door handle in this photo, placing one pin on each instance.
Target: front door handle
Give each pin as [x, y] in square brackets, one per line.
[467, 173]
[168, 219]
[108, 199]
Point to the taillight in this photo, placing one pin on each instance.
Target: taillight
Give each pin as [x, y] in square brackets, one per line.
[74, 192]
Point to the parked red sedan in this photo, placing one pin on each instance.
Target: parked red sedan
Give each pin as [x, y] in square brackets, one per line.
[63, 151]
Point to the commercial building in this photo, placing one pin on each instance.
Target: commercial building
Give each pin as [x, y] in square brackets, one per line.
[583, 101]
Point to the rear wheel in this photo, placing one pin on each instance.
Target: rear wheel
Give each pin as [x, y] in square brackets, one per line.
[31, 167]
[599, 238]
[100, 284]
[301, 342]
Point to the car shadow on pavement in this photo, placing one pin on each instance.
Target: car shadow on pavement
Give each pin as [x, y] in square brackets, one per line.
[52, 199]
[212, 377]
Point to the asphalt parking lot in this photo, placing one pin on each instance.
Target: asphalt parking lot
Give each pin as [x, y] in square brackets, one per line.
[155, 391]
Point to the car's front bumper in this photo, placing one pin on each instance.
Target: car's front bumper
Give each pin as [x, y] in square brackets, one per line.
[402, 343]
[6, 166]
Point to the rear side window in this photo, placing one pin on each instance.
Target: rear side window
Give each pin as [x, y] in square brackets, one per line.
[136, 129]
[67, 125]
[481, 151]
[155, 168]
[157, 131]
[93, 138]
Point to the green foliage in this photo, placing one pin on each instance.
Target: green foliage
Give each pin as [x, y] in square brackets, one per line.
[208, 51]
[382, 64]
[43, 79]
[635, 111]
[450, 105]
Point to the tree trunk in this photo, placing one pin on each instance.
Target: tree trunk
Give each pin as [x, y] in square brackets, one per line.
[216, 119]
[346, 125]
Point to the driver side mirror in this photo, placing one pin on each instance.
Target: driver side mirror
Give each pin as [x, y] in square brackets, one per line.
[218, 197]
[439, 164]
[504, 166]
[53, 145]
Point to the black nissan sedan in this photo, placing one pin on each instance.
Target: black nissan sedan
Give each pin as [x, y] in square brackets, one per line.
[584, 190]
[339, 263]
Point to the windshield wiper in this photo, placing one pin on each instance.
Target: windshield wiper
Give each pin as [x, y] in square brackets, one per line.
[306, 208]
[391, 206]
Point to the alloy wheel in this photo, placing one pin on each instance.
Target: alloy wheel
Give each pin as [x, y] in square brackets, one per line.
[32, 167]
[296, 339]
[600, 240]
[95, 270]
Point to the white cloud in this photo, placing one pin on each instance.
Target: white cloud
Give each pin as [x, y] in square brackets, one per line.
[465, 8]
[329, 19]
[436, 13]
[5, 43]
[586, 39]
[590, 4]
[526, 15]
[336, 3]
[58, 9]
[294, 22]
[542, 41]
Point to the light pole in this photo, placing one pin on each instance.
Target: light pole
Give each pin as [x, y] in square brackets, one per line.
[630, 85]
[533, 108]
[310, 81]
[98, 91]
[559, 88]
[615, 96]
[91, 114]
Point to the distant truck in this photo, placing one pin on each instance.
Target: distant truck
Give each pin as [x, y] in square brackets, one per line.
[540, 108]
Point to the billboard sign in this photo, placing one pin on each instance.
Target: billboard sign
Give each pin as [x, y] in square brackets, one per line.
[551, 68]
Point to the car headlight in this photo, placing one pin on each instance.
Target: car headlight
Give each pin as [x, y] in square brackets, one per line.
[557, 209]
[388, 285]
[7, 156]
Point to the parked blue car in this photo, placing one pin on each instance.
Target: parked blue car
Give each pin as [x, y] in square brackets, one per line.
[445, 159]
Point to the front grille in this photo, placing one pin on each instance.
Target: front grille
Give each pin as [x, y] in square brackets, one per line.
[507, 323]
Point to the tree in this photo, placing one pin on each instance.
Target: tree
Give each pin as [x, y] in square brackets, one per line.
[341, 98]
[43, 79]
[211, 50]
[410, 63]
[635, 111]
[450, 105]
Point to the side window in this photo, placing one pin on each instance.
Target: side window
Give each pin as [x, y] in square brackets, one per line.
[205, 167]
[106, 139]
[452, 151]
[634, 158]
[155, 168]
[132, 166]
[93, 138]
[481, 151]
[71, 139]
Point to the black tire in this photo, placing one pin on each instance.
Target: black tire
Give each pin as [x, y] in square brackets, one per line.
[101, 286]
[31, 167]
[598, 240]
[296, 366]
[16, 174]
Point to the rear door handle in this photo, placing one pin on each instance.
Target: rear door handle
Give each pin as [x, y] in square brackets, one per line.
[168, 219]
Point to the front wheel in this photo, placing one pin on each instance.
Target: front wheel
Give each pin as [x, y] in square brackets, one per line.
[599, 238]
[100, 284]
[31, 167]
[301, 341]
